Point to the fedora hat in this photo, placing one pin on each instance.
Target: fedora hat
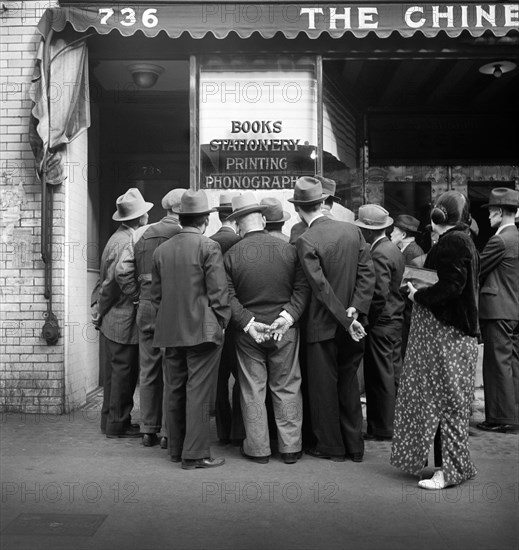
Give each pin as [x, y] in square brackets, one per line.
[171, 200]
[307, 191]
[407, 223]
[329, 187]
[245, 204]
[373, 216]
[274, 212]
[131, 206]
[194, 203]
[225, 202]
[502, 196]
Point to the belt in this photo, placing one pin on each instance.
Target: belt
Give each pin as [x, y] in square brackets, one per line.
[145, 277]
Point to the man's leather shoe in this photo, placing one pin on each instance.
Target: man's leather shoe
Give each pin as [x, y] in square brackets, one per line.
[258, 459]
[149, 440]
[163, 442]
[496, 428]
[191, 464]
[130, 432]
[176, 458]
[356, 457]
[291, 458]
[319, 454]
[371, 437]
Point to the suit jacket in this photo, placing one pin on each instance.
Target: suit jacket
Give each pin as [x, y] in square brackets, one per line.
[133, 271]
[499, 295]
[454, 298]
[189, 291]
[297, 230]
[337, 264]
[388, 302]
[225, 237]
[117, 310]
[412, 251]
[265, 278]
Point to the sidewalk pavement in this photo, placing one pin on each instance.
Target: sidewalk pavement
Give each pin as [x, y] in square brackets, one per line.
[65, 486]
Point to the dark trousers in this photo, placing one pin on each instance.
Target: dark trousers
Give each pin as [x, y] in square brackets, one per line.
[120, 380]
[151, 383]
[501, 370]
[334, 394]
[382, 366]
[191, 377]
[229, 422]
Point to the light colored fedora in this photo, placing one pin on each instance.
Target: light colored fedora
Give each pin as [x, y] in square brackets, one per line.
[307, 191]
[245, 204]
[131, 206]
[225, 202]
[274, 212]
[329, 188]
[171, 200]
[502, 196]
[194, 203]
[373, 216]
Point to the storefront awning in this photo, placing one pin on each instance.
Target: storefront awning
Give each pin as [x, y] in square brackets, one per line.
[313, 19]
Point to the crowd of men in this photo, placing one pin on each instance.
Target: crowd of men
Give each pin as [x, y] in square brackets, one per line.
[290, 318]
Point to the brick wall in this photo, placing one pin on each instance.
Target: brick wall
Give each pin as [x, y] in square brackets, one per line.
[31, 372]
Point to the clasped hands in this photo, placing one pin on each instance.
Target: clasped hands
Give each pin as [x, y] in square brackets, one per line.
[260, 332]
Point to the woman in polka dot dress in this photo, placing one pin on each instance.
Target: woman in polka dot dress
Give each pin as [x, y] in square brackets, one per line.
[437, 382]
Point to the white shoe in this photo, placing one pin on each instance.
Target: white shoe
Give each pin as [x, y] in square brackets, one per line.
[436, 482]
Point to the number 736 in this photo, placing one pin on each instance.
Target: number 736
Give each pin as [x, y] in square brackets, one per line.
[149, 19]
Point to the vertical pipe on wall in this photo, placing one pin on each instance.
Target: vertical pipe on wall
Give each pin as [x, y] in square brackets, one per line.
[320, 115]
[194, 156]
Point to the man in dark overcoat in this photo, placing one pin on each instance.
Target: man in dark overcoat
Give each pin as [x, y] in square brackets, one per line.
[499, 314]
[116, 318]
[336, 261]
[189, 293]
[382, 357]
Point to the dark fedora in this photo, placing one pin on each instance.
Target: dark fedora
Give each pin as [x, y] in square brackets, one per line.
[407, 223]
[502, 196]
[194, 203]
[329, 187]
[373, 216]
[245, 204]
[225, 202]
[307, 191]
[274, 212]
[131, 206]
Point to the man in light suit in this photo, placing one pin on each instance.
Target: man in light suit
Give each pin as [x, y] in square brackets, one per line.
[267, 287]
[229, 422]
[499, 314]
[189, 293]
[115, 315]
[133, 274]
[336, 261]
[382, 358]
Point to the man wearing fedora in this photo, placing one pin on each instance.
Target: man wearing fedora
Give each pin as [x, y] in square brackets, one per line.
[499, 314]
[229, 423]
[336, 261]
[275, 217]
[268, 294]
[189, 294]
[331, 208]
[382, 357]
[404, 236]
[133, 274]
[115, 318]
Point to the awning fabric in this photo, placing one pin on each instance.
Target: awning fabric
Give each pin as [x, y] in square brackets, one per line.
[314, 19]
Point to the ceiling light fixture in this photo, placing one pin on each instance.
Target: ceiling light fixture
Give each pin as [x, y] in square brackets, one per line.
[498, 68]
[145, 75]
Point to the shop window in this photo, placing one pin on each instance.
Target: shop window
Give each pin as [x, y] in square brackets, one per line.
[257, 123]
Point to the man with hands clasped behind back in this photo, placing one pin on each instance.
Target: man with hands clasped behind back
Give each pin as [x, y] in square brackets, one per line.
[268, 293]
